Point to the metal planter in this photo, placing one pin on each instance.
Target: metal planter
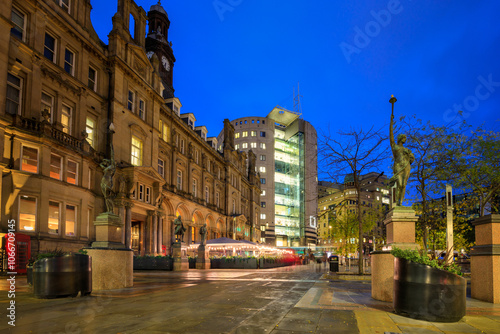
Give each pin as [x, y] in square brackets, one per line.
[427, 293]
[62, 276]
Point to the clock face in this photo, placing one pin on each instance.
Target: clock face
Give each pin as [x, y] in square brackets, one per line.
[150, 54]
[165, 63]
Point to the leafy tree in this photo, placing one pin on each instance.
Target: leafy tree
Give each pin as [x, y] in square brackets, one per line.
[475, 167]
[355, 152]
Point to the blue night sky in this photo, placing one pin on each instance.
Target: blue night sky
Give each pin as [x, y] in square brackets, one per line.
[246, 57]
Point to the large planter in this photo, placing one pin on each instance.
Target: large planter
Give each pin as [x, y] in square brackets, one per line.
[427, 293]
[62, 276]
[232, 263]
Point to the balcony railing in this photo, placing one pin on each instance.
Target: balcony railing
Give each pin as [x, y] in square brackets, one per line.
[46, 129]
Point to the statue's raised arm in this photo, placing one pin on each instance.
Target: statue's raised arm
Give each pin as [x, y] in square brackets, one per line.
[402, 160]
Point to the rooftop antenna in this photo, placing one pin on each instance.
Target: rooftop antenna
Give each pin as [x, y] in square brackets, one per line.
[296, 100]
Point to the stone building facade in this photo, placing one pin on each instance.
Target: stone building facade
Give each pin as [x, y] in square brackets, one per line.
[68, 101]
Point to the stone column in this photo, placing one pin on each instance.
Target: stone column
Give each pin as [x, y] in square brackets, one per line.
[189, 234]
[159, 233]
[128, 224]
[148, 231]
[154, 234]
[485, 259]
[400, 228]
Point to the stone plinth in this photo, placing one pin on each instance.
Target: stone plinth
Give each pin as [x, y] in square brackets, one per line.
[181, 262]
[485, 260]
[400, 227]
[111, 268]
[108, 231]
[203, 261]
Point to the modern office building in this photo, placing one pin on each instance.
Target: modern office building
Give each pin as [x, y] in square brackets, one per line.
[66, 98]
[286, 151]
[334, 196]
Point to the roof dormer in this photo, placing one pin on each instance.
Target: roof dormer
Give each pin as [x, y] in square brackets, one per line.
[189, 119]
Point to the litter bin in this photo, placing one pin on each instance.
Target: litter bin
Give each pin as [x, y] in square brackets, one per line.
[334, 263]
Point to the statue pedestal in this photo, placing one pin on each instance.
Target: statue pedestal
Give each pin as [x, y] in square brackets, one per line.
[203, 261]
[112, 262]
[485, 259]
[400, 227]
[108, 231]
[181, 262]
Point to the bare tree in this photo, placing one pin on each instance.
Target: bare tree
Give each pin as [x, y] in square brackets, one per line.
[355, 153]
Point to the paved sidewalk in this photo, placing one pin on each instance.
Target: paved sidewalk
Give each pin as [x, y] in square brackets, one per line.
[290, 300]
[340, 306]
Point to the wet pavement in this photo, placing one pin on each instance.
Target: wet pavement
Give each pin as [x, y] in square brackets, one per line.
[289, 300]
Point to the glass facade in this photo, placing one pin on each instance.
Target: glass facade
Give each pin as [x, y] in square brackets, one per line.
[289, 177]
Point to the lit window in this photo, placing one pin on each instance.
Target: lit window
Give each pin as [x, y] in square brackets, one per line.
[263, 193]
[47, 104]
[54, 217]
[161, 168]
[253, 145]
[70, 220]
[65, 4]
[236, 146]
[263, 146]
[179, 179]
[27, 213]
[29, 161]
[55, 166]
[92, 83]
[69, 62]
[49, 50]
[237, 135]
[142, 109]
[14, 92]
[263, 204]
[262, 133]
[253, 133]
[19, 21]
[136, 152]
[72, 172]
[262, 157]
[262, 216]
[245, 134]
[244, 145]
[164, 131]
[66, 119]
[262, 169]
[130, 101]
[90, 129]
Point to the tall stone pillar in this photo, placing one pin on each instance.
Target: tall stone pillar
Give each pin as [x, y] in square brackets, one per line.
[485, 259]
[154, 234]
[400, 228]
[128, 224]
[189, 234]
[159, 234]
[148, 232]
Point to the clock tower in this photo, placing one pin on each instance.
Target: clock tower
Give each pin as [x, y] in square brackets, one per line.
[157, 43]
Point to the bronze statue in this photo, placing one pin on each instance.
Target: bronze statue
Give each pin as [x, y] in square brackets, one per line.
[403, 158]
[109, 169]
[179, 228]
[203, 233]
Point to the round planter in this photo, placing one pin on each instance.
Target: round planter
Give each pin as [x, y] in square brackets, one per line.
[62, 276]
[427, 293]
